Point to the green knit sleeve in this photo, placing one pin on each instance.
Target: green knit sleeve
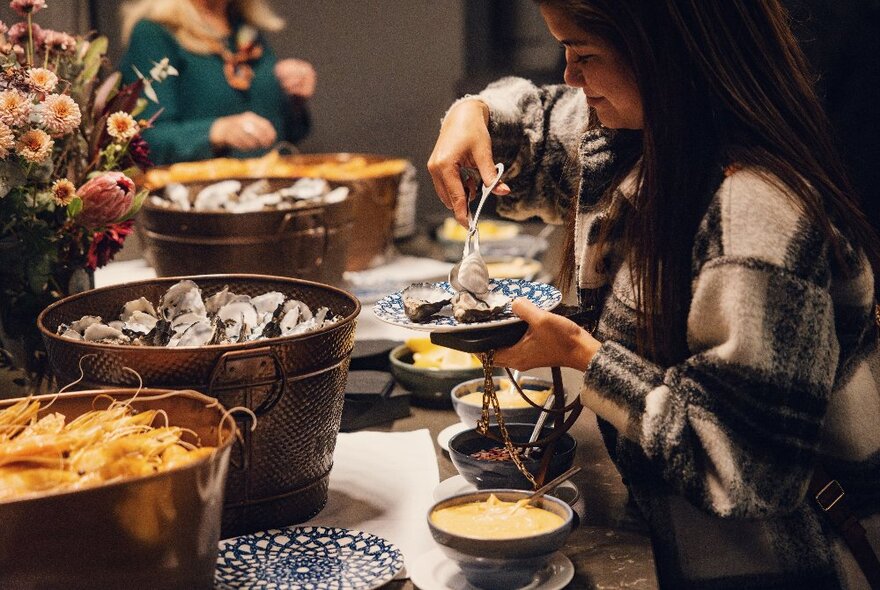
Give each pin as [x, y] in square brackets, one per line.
[173, 137]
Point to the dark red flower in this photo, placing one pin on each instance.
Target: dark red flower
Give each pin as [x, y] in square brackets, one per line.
[139, 153]
[105, 244]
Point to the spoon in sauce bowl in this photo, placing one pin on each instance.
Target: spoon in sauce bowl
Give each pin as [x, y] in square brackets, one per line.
[549, 486]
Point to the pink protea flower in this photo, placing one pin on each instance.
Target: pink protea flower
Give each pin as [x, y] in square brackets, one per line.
[35, 146]
[26, 7]
[42, 80]
[105, 199]
[60, 114]
[15, 108]
[7, 140]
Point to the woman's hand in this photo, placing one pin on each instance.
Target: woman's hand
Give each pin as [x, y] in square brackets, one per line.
[463, 142]
[297, 77]
[550, 341]
[246, 131]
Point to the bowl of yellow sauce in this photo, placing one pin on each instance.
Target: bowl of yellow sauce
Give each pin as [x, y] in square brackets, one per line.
[430, 371]
[467, 399]
[497, 540]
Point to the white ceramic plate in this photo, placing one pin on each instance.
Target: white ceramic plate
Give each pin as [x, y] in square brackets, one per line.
[319, 558]
[433, 571]
[447, 433]
[390, 308]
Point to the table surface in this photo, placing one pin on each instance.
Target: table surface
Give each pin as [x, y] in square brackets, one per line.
[610, 549]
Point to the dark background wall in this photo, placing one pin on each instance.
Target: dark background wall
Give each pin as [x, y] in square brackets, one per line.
[387, 69]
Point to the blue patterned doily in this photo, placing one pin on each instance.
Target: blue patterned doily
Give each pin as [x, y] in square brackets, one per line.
[390, 308]
[307, 558]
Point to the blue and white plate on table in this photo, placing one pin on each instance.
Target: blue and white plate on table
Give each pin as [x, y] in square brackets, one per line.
[390, 308]
[313, 557]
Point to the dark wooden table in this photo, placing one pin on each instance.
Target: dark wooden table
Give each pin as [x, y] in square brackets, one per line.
[610, 549]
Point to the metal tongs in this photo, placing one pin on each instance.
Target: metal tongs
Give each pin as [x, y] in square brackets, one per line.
[472, 239]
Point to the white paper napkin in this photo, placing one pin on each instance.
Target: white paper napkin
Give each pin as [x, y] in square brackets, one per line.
[383, 483]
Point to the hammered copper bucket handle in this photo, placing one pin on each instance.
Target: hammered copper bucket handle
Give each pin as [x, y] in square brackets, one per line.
[229, 374]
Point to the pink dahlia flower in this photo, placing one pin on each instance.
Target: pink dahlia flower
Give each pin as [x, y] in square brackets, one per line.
[106, 198]
[26, 7]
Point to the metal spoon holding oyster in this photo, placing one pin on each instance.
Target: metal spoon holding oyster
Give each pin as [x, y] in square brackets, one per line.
[472, 301]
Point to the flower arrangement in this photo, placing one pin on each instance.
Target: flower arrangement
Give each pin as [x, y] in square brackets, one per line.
[70, 143]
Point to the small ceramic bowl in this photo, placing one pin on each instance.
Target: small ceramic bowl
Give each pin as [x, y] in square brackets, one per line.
[470, 413]
[485, 474]
[502, 564]
[429, 386]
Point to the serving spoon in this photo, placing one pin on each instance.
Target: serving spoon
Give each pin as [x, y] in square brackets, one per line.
[549, 486]
[471, 273]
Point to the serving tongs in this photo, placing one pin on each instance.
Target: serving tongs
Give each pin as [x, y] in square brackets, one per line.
[470, 257]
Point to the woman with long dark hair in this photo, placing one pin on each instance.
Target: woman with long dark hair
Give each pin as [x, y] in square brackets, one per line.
[710, 221]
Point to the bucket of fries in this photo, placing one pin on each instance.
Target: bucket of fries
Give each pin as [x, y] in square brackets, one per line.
[119, 488]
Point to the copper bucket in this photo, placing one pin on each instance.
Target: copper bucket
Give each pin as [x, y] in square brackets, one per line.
[294, 384]
[309, 242]
[159, 531]
[373, 182]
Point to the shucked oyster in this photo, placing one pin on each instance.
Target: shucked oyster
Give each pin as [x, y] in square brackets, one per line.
[184, 319]
[468, 308]
[422, 300]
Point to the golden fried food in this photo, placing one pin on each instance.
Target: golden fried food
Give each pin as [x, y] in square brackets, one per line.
[274, 165]
[48, 454]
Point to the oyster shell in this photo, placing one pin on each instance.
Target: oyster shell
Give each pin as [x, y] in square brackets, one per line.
[198, 333]
[468, 308]
[182, 318]
[422, 300]
[183, 297]
[240, 317]
[138, 305]
[217, 196]
[179, 196]
[104, 333]
[471, 274]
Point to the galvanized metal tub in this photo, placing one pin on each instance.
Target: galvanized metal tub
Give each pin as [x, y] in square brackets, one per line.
[294, 384]
[159, 531]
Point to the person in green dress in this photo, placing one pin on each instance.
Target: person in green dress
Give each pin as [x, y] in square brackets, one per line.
[232, 96]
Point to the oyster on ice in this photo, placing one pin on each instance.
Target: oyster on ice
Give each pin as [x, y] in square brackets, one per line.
[422, 300]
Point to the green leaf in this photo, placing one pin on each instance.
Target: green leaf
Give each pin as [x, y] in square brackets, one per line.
[135, 205]
[92, 59]
[139, 107]
[74, 207]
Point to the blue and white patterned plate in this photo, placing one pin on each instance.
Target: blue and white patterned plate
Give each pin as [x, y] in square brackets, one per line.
[390, 308]
[313, 558]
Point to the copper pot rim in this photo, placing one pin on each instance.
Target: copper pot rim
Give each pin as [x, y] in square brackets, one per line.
[143, 394]
[219, 348]
[317, 205]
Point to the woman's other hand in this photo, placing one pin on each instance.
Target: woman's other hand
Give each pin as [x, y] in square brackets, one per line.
[297, 77]
[245, 132]
[463, 142]
[550, 341]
